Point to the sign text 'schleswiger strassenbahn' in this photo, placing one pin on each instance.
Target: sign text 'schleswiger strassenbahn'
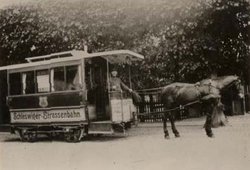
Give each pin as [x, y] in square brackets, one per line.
[45, 116]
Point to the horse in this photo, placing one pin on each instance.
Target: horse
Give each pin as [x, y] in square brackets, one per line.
[184, 94]
[224, 84]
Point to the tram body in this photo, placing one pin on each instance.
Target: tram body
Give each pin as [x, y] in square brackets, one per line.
[68, 93]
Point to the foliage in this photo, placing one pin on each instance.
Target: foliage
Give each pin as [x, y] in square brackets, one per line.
[181, 40]
[214, 39]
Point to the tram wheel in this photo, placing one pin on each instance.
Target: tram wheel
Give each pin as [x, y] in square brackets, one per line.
[128, 125]
[74, 136]
[28, 136]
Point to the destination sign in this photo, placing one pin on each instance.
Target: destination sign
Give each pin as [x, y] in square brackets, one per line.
[48, 116]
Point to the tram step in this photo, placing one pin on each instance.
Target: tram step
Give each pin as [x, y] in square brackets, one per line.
[100, 127]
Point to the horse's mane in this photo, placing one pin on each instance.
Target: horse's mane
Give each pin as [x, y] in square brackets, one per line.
[223, 77]
[217, 78]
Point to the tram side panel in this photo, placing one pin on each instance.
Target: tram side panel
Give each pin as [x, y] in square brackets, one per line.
[122, 108]
[51, 108]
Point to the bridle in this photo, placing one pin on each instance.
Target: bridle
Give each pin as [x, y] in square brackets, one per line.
[236, 82]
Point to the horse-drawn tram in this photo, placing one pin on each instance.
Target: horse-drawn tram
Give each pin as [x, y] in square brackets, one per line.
[69, 94]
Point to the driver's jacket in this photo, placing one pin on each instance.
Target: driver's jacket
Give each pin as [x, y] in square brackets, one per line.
[117, 85]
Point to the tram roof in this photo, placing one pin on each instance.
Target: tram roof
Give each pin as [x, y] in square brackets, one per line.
[116, 56]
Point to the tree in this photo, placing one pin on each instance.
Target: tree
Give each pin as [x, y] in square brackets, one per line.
[181, 40]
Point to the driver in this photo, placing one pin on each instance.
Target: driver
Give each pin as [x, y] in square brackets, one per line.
[116, 84]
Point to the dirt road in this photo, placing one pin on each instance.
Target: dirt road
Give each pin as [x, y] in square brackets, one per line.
[143, 149]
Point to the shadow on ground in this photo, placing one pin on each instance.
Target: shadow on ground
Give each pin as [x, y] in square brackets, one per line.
[90, 138]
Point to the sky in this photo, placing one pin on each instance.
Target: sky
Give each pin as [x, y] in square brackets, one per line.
[4, 3]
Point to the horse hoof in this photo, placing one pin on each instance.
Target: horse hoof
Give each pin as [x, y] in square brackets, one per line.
[177, 135]
[167, 137]
[210, 135]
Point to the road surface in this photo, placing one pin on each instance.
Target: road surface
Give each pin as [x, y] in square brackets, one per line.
[144, 148]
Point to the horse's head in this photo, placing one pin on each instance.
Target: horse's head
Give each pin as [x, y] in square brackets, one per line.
[233, 83]
[226, 81]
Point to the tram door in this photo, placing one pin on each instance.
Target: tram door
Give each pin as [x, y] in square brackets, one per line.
[96, 80]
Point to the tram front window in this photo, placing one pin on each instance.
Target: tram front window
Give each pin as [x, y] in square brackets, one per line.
[66, 78]
[15, 84]
[42, 77]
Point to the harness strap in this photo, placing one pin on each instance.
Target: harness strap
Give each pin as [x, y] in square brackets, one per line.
[210, 85]
[182, 107]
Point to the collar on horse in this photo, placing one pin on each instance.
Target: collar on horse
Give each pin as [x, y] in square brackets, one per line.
[210, 86]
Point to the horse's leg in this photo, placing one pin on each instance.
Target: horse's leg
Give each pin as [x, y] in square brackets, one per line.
[172, 121]
[166, 134]
[208, 124]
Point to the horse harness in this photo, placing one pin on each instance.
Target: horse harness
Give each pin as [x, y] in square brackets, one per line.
[182, 107]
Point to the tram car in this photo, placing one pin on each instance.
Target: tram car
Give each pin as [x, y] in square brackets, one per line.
[68, 94]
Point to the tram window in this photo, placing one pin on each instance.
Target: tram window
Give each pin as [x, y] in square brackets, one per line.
[59, 79]
[15, 84]
[42, 77]
[28, 82]
[72, 78]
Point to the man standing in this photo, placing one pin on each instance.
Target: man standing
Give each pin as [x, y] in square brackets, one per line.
[116, 85]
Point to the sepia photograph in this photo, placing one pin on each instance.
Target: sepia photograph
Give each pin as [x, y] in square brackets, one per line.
[124, 84]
